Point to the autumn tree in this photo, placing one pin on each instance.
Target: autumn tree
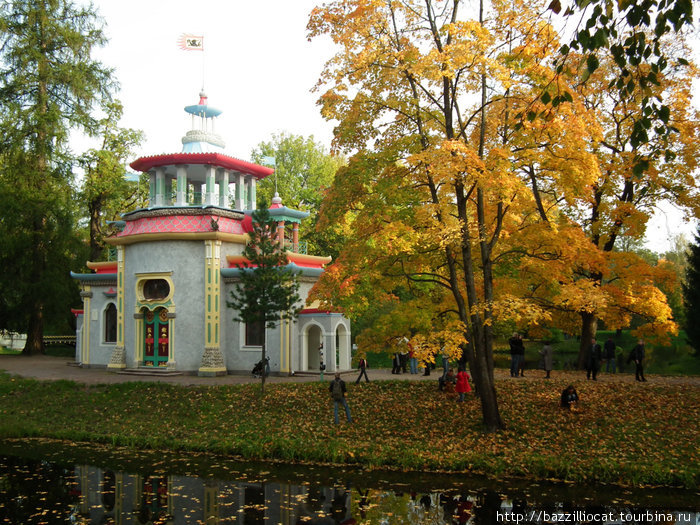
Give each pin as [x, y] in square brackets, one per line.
[267, 291]
[426, 97]
[626, 194]
[49, 86]
[105, 190]
[631, 35]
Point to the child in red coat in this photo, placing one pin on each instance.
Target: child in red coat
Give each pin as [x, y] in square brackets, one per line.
[462, 387]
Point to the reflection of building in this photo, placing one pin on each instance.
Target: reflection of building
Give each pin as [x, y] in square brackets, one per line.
[162, 303]
[122, 498]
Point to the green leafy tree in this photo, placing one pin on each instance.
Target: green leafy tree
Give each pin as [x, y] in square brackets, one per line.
[49, 86]
[106, 192]
[691, 295]
[267, 292]
[304, 170]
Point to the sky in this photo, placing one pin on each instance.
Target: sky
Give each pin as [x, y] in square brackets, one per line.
[257, 66]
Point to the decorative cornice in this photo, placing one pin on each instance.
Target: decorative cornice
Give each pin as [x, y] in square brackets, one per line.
[183, 210]
[101, 279]
[233, 273]
[199, 236]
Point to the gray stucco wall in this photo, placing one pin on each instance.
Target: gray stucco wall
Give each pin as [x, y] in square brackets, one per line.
[184, 262]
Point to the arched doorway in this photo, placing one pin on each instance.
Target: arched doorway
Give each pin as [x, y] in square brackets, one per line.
[342, 347]
[156, 338]
[314, 338]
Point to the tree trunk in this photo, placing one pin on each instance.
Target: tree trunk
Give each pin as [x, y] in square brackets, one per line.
[95, 210]
[479, 362]
[589, 328]
[35, 333]
[264, 367]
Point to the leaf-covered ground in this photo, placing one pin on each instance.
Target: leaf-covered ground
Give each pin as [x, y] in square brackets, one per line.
[625, 433]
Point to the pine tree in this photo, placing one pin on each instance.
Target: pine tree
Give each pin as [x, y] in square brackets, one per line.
[691, 295]
[267, 291]
[49, 86]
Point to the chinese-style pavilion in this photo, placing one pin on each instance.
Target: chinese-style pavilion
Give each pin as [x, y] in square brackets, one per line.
[162, 303]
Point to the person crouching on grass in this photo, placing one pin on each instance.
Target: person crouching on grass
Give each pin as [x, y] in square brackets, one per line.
[569, 398]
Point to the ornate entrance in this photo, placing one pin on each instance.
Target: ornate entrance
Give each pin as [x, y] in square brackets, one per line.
[156, 338]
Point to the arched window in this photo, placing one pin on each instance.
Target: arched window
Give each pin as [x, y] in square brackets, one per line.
[110, 323]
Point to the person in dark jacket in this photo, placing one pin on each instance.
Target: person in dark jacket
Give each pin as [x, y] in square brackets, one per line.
[337, 389]
[517, 354]
[609, 354]
[637, 355]
[569, 398]
[595, 354]
[362, 367]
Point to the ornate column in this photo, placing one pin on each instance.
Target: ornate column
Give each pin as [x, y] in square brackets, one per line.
[223, 188]
[118, 357]
[160, 187]
[252, 195]
[181, 192]
[295, 237]
[240, 192]
[212, 360]
[210, 197]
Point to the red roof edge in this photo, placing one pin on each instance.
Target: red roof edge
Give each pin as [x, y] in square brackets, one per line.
[214, 159]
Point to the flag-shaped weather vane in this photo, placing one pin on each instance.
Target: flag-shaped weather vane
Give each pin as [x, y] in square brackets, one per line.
[189, 42]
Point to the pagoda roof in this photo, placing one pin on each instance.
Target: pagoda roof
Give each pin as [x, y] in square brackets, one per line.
[210, 158]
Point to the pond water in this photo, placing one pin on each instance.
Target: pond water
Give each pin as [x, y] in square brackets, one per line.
[47, 483]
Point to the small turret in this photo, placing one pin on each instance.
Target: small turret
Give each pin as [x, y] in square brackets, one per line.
[202, 139]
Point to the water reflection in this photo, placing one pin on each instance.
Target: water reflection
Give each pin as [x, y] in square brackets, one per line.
[39, 491]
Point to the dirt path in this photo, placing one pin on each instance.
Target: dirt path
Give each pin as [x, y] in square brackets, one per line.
[54, 368]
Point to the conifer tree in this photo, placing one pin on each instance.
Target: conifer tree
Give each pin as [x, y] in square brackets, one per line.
[267, 292]
[49, 86]
[691, 295]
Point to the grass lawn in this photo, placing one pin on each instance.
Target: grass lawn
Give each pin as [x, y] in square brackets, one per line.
[625, 433]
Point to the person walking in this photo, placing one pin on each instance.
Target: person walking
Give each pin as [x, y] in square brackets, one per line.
[547, 358]
[609, 353]
[637, 355]
[593, 360]
[337, 389]
[462, 387]
[445, 362]
[517, 354]
[396, 364]
[362, 367]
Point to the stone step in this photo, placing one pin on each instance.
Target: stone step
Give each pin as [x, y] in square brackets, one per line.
[148, 371]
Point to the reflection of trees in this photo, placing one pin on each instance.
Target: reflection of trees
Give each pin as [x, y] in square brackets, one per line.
[108, 490]
[34, 492]
[27, 486]
[254, 510]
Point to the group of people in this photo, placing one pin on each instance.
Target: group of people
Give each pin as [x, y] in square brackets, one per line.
[405, 358]
[596, 355]
[450, 383]
[593, 359]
